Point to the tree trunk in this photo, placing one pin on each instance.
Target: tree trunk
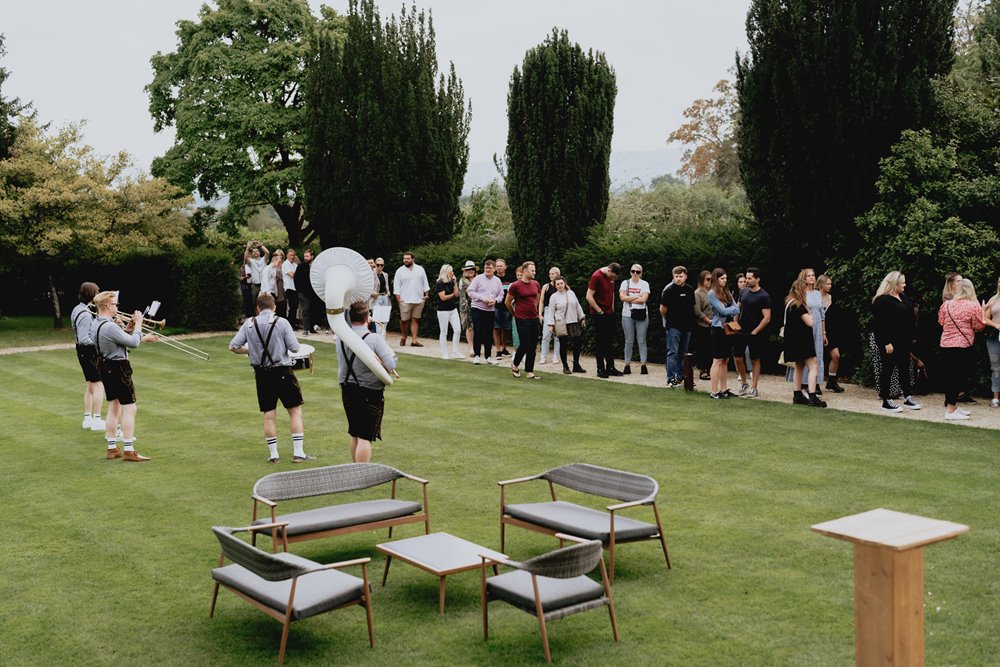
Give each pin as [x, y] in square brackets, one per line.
[291, 218]
[57, 322]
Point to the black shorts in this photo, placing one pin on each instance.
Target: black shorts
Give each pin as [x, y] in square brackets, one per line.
[277, 383]
[90, 362]
[116, 374]
[722, 345]
[364, 408]
[743, 342]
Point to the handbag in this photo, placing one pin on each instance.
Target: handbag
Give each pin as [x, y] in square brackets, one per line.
[732, 328]
[781, 360]
[637, 314]
[560, 328]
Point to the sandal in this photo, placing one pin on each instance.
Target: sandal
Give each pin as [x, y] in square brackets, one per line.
[516, 372]
[532, 376]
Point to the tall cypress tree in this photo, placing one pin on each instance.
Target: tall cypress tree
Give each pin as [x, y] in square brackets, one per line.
[387, 136]
[9, 110]
[826, 89]
[560, 112]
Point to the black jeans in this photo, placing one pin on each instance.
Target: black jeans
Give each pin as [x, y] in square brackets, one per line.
[898, 359]
[527, 333]
[482, 332]
[564, 343]
[293, 305]
[605, 330]
[955, 365]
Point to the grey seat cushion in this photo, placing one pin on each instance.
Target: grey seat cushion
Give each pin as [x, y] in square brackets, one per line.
[315, 593]
[515, 587]
[341, 516]
[580, 521]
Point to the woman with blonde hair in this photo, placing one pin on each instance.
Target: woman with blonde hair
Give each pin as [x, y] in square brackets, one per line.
[833, 318]
[568, 320]
[446, 288]
[960, 318]
[634, 292]
[894, 322]
[799, 346]
[991, 316]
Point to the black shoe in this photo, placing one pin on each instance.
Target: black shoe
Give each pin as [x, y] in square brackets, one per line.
[799, 399]
[627, 370]
[965, 398]
[831, 385]
[819, 392]
[567, 371]
[579, 369]
[643, 371]
[704, 376]
[815, 402]
[728, 394]
[614, 372]
[602, 374]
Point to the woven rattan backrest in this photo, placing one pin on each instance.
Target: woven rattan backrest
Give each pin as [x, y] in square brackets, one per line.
[604, 482]
[264, 565]
[320, 481]
[572, 561]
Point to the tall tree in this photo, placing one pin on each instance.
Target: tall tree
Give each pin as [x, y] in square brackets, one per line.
[9, 111]
[233, 91]
[826, 89]
[387, 135]
[710, 138]
[59, 202]
[560, 115]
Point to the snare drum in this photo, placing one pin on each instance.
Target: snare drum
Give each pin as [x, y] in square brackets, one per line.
[303, 358]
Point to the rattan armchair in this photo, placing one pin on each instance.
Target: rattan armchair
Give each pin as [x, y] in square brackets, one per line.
[284, 586]
[551, 586]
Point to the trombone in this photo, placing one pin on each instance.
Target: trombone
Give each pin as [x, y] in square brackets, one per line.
[147, 326]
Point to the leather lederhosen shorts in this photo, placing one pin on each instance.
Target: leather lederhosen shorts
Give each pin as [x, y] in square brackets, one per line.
[90, 362]
[116, 374]
[277, 383]
[364, 408]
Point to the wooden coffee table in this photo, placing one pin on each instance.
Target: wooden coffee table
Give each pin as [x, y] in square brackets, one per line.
[440, 554]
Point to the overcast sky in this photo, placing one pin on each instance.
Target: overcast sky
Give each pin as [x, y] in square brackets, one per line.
[89, 59]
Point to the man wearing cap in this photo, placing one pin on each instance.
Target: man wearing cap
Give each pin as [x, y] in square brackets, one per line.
[464, 303]
[601, 297]
[267, 339]
[411, 288]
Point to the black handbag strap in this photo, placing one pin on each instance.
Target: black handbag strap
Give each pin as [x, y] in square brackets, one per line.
[947, 307]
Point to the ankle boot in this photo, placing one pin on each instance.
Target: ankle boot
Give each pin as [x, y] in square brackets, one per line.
[799, 399]
[831, 385]
[815, 401]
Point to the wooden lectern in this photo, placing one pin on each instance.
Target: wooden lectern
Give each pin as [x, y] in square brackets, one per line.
[889, 582]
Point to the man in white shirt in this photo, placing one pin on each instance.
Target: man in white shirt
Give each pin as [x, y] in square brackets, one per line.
[411, 288]
[288, 268]
[257, 264]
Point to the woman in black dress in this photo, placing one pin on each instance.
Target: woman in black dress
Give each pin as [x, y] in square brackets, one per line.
[833, 316]
[798, 344]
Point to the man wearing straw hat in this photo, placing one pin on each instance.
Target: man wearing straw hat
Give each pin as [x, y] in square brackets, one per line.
[112, 343]
[267, 339]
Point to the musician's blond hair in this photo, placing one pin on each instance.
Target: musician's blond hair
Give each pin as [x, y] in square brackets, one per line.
[104, 298]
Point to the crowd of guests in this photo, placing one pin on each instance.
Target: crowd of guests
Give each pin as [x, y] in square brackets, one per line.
[501, 312]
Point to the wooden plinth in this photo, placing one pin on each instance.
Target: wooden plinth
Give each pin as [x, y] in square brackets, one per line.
[889, 582]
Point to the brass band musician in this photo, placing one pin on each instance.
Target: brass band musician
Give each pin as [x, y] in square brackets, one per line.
[267, 339]
[112, 343]
[90, 362]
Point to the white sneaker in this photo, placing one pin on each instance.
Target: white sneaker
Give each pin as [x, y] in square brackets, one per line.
[492, 360]
[911, 404]
[955, 415]
[87, 421]
[97, 424]
[744, 388]
[542, 361]
[963, 411]
[995, 403]
[477, 359]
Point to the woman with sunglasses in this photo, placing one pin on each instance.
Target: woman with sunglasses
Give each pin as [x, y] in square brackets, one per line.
[634, 292]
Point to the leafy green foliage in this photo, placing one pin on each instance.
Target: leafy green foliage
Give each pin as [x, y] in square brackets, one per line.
[387, 135]
[560, 113]
[233, 92]
[10, 109]
[208, 293]
[824, 93]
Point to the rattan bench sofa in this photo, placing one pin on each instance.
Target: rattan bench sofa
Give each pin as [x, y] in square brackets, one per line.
[337, 518]
[607, 525]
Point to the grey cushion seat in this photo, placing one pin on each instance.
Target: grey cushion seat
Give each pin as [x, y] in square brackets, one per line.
[580, 521]
[341, 516]
[315, 593]
[515, 587]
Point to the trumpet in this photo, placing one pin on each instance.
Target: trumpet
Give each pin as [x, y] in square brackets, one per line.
[146, 326]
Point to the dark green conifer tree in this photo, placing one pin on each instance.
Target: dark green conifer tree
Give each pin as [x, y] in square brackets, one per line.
[386, 136]
[826, 89]
[560, 112]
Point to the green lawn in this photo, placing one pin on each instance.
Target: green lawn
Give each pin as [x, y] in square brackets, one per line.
[107, 562]
[35, 330]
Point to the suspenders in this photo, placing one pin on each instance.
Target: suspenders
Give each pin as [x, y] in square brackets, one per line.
[266, 342]
[350, 357]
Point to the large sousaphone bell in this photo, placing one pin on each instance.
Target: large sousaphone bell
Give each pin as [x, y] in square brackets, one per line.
[341, 277]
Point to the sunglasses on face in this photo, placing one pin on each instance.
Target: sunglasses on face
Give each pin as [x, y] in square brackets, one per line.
[634, 271]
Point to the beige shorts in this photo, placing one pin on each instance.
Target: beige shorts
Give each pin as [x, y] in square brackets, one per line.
[410, 310]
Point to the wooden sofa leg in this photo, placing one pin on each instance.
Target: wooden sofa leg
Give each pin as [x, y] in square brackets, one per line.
[215, 595]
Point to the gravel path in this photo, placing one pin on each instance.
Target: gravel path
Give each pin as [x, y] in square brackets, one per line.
[771, 387]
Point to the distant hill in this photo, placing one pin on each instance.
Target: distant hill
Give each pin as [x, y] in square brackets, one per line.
[629, 169]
